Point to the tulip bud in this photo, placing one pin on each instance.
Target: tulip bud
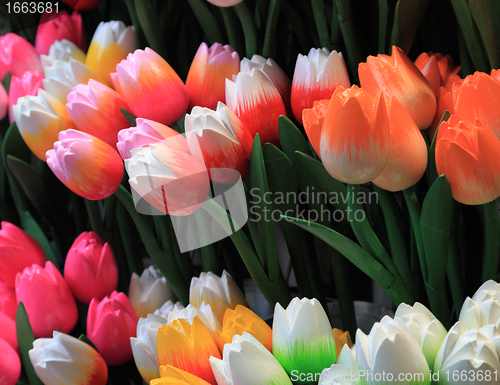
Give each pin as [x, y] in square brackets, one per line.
[446, 97]
[247, 362]
[27, 84]
[147, 132]
[397, 76]
[95, 109]
[341, 338]
[355, 138]
[436, 68]
[4, 102]
[8, 301]
[466, 153]
[17, 56]
[204, 312]
[57, 26]
[10, 365]
[171, 375]
[220, 293]
[111, 43]
[256, 101]
[219, 140]
[205, 81]
[144, 347]
[316, 77]
[224, 3]
[85, 164]
[82, 5]
[47, 299]
[90, 269]
[170, 180]
[8, 331]
[312, 119]
[149, 292]
[17, 251]
[187, 347]
[166, 308]
[303, 338]
[483, 308]
[62, 50]
[151, 87]
[110, 325]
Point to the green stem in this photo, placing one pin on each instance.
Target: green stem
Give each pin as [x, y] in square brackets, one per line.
[95, 218]
[232, 29]
[206, 20]
[249, 28]
[491, 249]
[269, 49]
[454, 270]
[132, 250]
[135, 20]
[318, 7]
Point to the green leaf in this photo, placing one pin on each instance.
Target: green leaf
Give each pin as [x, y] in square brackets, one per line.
[33, 229]
[486, 14]
[491, 241]
[385, 15]
[85, 339]
[291, 139]
[131, 118]
[269, 48]
[407, 19]
[432, 173]
[6, 82]
[25, 340]
[207, 20]
[148, 18]
[318, 7]
[249, 28]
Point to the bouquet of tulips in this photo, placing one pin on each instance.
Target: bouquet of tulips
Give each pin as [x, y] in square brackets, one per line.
[297, 145]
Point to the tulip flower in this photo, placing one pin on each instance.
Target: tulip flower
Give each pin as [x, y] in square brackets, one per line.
[110, 325]
[171, 375]
[207, 75]
[90, 268]
[354, 142]
[347, 355]
[166, 308]
[466, 153]
[240, 320]
[187, 347]
[39, 120]
[62, 50]
[478, 98]
[341, 338]
[17, 56]
[220, 141]
[391, 348]
[17, 251]
[312, 119]
[146, 132]
[221, 293]
[407, 159]
[302, 337]
[275, 74]
[149, 292]
[338, 375]
[483, 308]
[8, 331]
[436, 68]
[425, 327]
[58, 26]
[256, 101]
[151, 87]
[82, 5]
[144, 347]
[66, 359]
[170, 180]
[247, 362]
[316, 77]
[111, 43]
[446, 97]
[8, 301]
[27, 84]
[224, 3]
[204, 312]
[471, 352]
[62, 76]
[4, 102]
[10, 364]
[85, 164]
[47, 299]
[397, 76]
[95, 109]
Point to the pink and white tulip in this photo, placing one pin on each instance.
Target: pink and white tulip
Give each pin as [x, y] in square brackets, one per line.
[27, 84]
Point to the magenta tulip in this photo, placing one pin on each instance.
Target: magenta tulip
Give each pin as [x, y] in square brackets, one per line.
[58, 26]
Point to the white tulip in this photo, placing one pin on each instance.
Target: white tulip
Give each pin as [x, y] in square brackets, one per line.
[166, 308]
[62, 50]
[483, 308]
[204, 311]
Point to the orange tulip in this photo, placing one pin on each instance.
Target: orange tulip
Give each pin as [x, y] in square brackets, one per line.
[407, 154]
[240, 320]
[188, 347]
[171, 375]
[354, 144]
[397, 76]
[436, 68]
[479, 98]
[341, 338]
[312, 119]
[467, 154]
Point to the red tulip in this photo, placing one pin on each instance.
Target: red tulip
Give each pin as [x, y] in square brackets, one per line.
[4, 102]
[82, 5]
[47, 299]
[27, 84]
[90, 269]
[110, 325]
[8, 331]
[10, 364]
[17, 56]
[58, 26]
[8, 301]
[17, 251]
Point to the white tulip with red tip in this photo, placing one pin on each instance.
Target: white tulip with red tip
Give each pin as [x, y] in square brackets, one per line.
[246, 361]
[204, 311]
[62, 50]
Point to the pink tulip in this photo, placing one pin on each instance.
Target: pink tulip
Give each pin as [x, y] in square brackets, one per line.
[17, 251]
[146, 132]
[151, 87]
[90, 269]
[10, 364]
[8, 331]
[8, 301]
[58, 26]
[47, 299]
[95, 109]
[110, 325]
[17, 56]
[4, 102]
[86, 165]
[27, 84]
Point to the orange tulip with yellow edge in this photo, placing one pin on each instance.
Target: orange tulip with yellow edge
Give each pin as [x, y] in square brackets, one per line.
[341, 338]
[240, 320]
[396, 75]
[354, 144]
[467, 154]
[188, 347]
[171, 375]
[312, 119]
